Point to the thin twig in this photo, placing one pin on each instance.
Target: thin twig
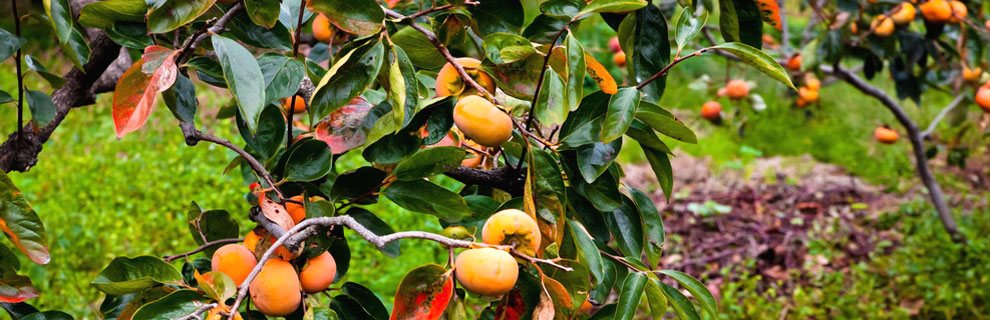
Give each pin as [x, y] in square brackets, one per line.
[663, 71]
[543, 71]
[193, 136]
[195, 314]
[201, 248]
[945, 111]
[20, 75]
[295, 54]
[430, 10]
[219, 27]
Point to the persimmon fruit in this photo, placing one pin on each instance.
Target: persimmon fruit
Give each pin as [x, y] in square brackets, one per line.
[904, 14]
[486, 271]
[619, 59]
[885, 135]
[794, 63]
[882, 26]
[482, 122]
[983, 97]
[936, 11]
[323, 31]
[737, 89]
[318, 273]
[711, 110]
[512, 227]
[449, 82]
[971, 75]
[234, 260]
[298, 107]
[275, 291]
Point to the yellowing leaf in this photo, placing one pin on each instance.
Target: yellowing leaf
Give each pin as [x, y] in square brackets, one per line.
[601, 76]
[139, 86]
[21, 224]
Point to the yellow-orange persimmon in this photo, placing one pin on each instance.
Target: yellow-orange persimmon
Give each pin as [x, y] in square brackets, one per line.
[318, 273]
[737, 89]
[323, 31]
[297, 210]
[619, 59]
[807, 94]
[449, 82]
[482, 122]
[215, 313]
[234, 260]
[794, 63]
[885, 135]
[298, 107]
[711, 110]
[959, 11]
[486, 271]
[812, 83]
[276, 290]
[512, 227]
[253, 238]
[905, 13]
[971, 75]
[983, 97]
[936, 11]
[882, 26]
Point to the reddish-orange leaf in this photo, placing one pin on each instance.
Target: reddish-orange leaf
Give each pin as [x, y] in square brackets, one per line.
[513, 307]
[344, 128]
[770, 12]
[21, 224]
[601, 76]
[139, 86]
[15, 288]
[423, 293]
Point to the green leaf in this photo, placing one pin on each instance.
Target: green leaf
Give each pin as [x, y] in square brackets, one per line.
[653, 233]
[587, 249]
[289, 14]
[687, 27]
[682, 306]
[758, 59]
[213, 225]
[498, 16]
[594, 159]
[697, 290]
[244, 78]
[429, 162]
[401, 112]
[21, 224]
[658, 302]
[129, 275]
[740, 21]
[632, 292]
[310, 161]
[9, 43]
[584, 125]
[53, 80]
[42, 108]
[60, 16]
[598, 6]
[48, 315]
[421, 51]
[369, 301]
[245, 30]
[518, 79]
[506, 47]
[181, 99]
[548, 189]
[5, 97]
[575, 72]
[262, 12]
[283, 75]
[270, 135]
[217, 285]
[664, 122]
[650, 49]
[103, 14]
[173, 306]
[8, 261]
[424, 196]
[173, 14]
[562, 9]
[377, 226]
[550, 108]
[643, 134]
[77, 48]
[347, 78]
[627, 228]
[423, 293]
[661, 168]
[348, 308]
[361, 17]
[621, 113]
[353, 184]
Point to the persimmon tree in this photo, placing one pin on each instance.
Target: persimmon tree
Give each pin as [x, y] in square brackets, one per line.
[522, 122]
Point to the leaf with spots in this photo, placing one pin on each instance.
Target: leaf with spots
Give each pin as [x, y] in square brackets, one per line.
[601, 76]
[275, 212]
[423, 293]
[21, 224]
[770, 11]
[139, 86]
[344, 129]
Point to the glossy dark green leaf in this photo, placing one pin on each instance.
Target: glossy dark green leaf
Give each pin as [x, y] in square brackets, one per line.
[622, 109]
[429, 162]
[283, 75]
[48, 315]
[8, 261]
[361, 17]
[209, 70]
[244, 78]
[646, 137]
[289, 14]
[562, 9]
[172, 14]
[129, 275]
[658, 302]
[18, 310]
[403, 87]
[575, 72]
[544, 29]
[355, 183]
[697, 290]
[740, 21]
[377, 226]
[498, 16]
[392, 148]
[369, 301]
[9, 43]
[262, 12]
[5, 97]
[653, 233]
[181, 99]
[506, 47]
[421, 51]
[759, 60]
[603, 193]
[270, 135]
[175, 305]
[212, 225]
[42, 108]
[597, 6]
[588, 250]
[103, 14]
[277, 37]
[589, 216]
[21, 223]
[687, 27]
[348, 309]
[347, 78]
[584, 125]
[34, 65]
[660, 163]
[627, 228]
[60, 16]
[309, 161]
[632, 292]
[665, 123]
[594, 159]
[76, 48]
[550, 107]
[682, 306]
[424, 196]
[548, 189]
[650, 50]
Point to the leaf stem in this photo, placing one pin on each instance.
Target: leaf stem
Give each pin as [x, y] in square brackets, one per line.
[663, 71]
[539, 81]
[20, 75]
[295, 54]
[201, 248]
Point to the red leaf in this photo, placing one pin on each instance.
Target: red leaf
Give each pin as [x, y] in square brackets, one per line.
[139, 86]
[15, 288]
[512, 307]
[344, 128]
[770, 12]
[423, 293]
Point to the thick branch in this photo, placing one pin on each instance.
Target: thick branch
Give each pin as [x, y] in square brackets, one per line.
[917, 146]
[505, 178]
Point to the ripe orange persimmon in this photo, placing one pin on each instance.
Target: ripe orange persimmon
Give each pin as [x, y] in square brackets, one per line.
[482, 122]
[807, 94]
[252, 239]
[318, 273]
[794, 63]
[613, 44]
[812, 83]
[298, 211]
[276, 290]
[512, 226]
[737, 89]
[298, 107]
[711, 110]
[323, 31]
[450, 83]
[585, 308]
[234, 260]
[904, 14]
[471, 161]
[486, 271]
[983, 97]
[936, 11]
[959, 11]
[882, 26]
[885, 135]
[215, 313]
[620, 59]
[971, 75]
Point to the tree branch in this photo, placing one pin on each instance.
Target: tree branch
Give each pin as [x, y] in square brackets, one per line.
[917, 146]
[201, 248]
[219, 27]
[945, 111]
[194, 136]
[202, 309]
[543, 71]
[663, 71]
[505, 178]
